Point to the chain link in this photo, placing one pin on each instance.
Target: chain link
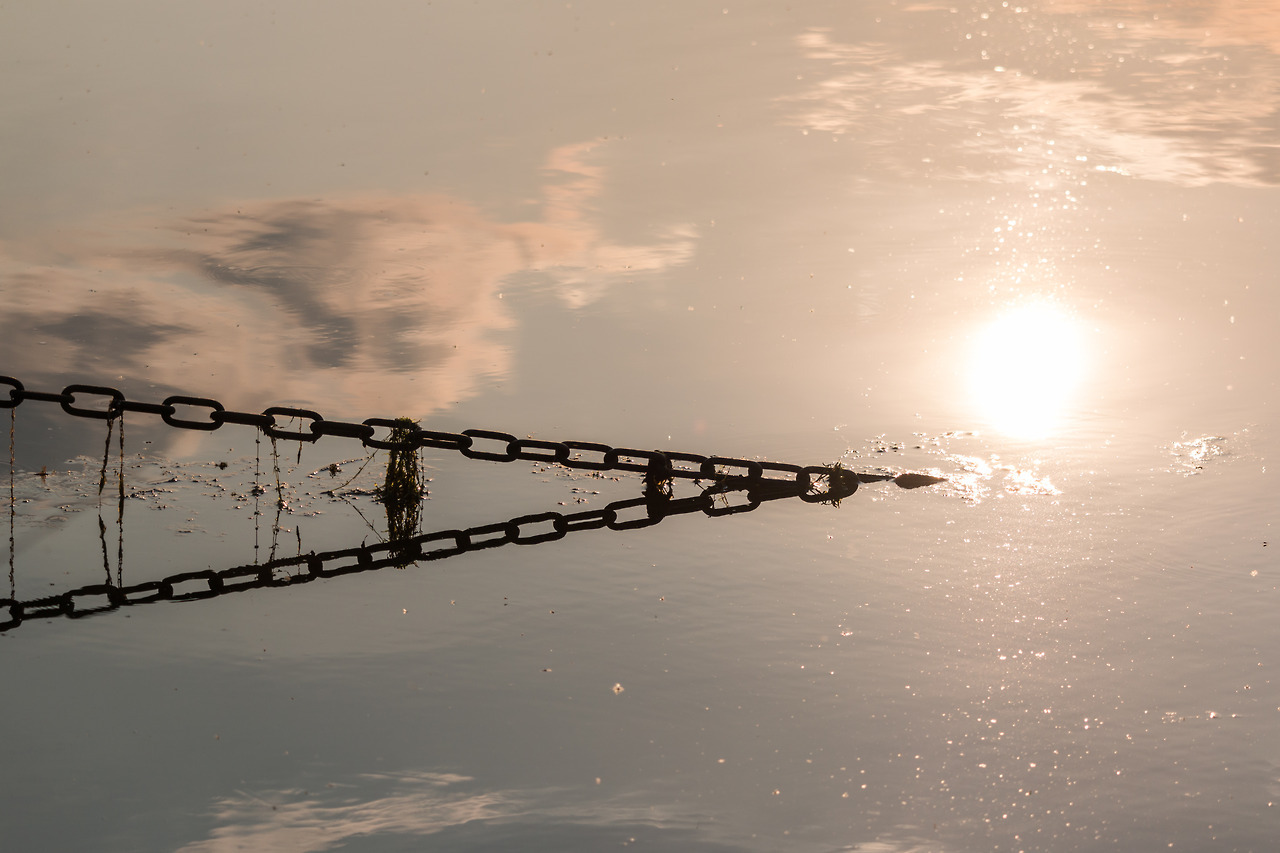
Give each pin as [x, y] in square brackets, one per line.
[533, 529]
[482, 444]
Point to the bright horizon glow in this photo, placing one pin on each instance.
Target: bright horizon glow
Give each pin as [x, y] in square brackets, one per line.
[1025, 368]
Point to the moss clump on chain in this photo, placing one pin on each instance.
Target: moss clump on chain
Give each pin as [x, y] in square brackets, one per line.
[658, 485]
[841, 482]
[403, 489]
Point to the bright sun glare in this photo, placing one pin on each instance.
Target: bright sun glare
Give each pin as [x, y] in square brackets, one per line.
[1025, 368]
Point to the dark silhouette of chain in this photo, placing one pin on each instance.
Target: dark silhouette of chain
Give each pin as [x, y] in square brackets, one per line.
[533, 529]
[181, 411]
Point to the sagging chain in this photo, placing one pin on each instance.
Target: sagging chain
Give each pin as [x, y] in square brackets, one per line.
[531, 529]
[180, 411]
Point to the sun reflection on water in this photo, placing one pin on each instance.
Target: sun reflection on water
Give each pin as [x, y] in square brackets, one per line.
[1025, 368]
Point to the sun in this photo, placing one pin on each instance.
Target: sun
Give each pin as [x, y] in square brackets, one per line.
[1025, 369]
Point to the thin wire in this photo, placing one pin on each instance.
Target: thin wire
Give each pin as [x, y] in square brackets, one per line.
[106, 453]
[102, 482]
[257, 492]
[275, 532]
[275, 525]
[120, 513]
[102, 540]
[334, 491]
[275, 461]
[13, 420]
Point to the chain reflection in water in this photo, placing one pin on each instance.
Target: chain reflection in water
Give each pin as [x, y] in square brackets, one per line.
[532, 529]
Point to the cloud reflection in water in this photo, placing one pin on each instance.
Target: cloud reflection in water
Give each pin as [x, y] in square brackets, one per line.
[1170, 97]
[451, 810]
[418, 804]
[261, 301]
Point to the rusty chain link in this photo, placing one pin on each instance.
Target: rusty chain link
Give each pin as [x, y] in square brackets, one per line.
[472, 443]
[532, 529]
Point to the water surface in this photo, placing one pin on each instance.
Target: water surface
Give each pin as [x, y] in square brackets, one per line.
[1022, 247]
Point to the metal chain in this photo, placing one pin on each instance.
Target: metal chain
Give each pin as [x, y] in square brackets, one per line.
[531, 529]
[472, 443]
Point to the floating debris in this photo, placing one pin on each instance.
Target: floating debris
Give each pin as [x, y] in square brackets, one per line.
[913, 480]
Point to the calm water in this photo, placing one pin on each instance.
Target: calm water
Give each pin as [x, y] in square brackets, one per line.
[1029, 248]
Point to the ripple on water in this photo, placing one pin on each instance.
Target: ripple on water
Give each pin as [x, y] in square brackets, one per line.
[1188, 456]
